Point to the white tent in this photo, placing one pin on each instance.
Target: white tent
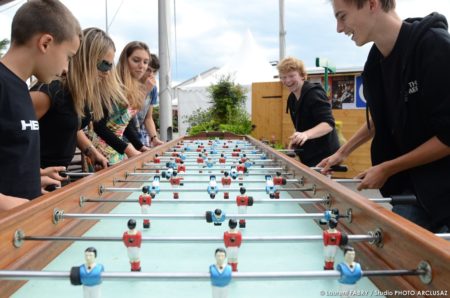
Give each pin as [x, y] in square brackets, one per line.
[247, 65]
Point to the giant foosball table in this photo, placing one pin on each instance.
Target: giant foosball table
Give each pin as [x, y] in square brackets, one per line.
[281, 254]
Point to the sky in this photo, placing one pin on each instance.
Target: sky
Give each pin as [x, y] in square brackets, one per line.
[207, 33]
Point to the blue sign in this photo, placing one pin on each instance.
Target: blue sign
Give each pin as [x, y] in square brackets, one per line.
[360, 100]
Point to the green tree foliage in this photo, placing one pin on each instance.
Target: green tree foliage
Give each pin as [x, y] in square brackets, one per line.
[227, 112]
[156, 119]
[3, 45]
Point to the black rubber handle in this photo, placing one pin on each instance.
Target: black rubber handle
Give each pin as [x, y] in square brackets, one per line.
[403, 200]
[339, 168]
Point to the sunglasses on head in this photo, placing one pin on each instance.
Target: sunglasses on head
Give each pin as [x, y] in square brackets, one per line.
[104, 66]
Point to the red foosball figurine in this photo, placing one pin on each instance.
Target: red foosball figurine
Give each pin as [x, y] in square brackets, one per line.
[232, 239]
[241, 169]
[243, 201]
[145, 200]
[181, 167]
[226, 182]
[156, 159]
[278, 180]
[222, 158]
[331, 241]
[175, 182]
[132, 240]
[200, 159]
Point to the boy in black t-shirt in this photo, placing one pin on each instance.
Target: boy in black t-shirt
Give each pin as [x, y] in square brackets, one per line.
[44, 36]
[405, 85]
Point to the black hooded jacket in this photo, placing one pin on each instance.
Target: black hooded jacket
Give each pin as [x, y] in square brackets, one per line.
[312, 108]
[422, 111]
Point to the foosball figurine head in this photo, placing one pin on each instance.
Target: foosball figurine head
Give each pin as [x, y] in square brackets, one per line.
[145, 189]
[221, 255]
[131, 224]
[90, 255]
[232, 223]
[242, 190]
[349, 255]
[332, 223]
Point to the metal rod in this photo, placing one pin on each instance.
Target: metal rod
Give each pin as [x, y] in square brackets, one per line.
[199, 201]
[75, 174]
[445, 236]
[245, 149]
[347, 180]
[216, 157]
[227, 154]
[132, 189]
[188, 276]
[251, 169]
[226, 201]
[197, 181]
[93, 216]
[205, 239]
[196, 174]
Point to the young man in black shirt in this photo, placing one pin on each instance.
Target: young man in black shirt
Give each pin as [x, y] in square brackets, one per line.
[44, 35]
[405, 85]
[310, 112]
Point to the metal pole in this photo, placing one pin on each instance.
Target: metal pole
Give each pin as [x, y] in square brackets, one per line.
[187, 276]
[95, 216]
[282, 31]
[201, 239]
[165, 103]
[106, 16]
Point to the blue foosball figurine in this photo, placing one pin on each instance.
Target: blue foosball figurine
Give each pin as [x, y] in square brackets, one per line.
[212, 189]
[350, 271]
[217, 217]
[220, 274]
[89, 274]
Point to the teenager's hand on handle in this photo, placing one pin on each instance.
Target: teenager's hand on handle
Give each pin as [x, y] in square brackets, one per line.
[330, 161]
[373, 178]
[54, 173]
[48, 184]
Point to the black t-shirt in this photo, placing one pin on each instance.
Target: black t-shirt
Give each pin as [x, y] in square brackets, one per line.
[391, 68]
[19, 139]
[59, 126]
